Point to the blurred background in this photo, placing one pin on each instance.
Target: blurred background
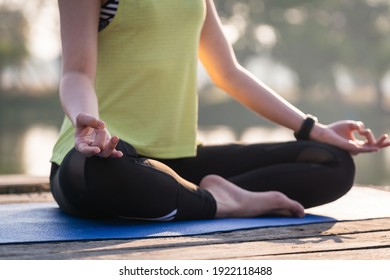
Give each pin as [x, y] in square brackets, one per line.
[329, 58]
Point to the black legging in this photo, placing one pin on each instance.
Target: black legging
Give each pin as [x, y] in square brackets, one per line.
[166, 189]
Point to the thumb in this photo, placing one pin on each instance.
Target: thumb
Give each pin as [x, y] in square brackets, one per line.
[84, 119]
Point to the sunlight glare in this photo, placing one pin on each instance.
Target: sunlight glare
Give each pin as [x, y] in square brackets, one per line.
[37, 148]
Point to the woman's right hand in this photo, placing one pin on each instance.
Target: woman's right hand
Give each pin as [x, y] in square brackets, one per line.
[93, 139]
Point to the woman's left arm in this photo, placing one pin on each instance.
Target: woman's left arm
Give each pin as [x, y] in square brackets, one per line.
[217, 56]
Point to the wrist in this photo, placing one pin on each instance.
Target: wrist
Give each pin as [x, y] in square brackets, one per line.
[318, 131]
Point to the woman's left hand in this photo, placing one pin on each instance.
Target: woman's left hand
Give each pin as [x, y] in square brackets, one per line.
[342, 134]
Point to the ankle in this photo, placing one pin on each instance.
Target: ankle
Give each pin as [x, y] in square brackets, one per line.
[230, 199]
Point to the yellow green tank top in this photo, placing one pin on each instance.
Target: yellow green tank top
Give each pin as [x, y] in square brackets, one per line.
[146, 78]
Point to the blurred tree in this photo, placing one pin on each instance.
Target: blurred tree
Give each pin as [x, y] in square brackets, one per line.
[312, 37]
[367, 44]
[13, 35]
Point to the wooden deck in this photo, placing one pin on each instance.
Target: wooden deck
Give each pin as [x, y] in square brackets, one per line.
[352, 240]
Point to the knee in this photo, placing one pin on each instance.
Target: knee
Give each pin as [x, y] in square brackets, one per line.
[339, 160]
[339, 171]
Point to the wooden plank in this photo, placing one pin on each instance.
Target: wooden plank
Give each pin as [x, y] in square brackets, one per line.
[322, 247]
[246, 250]
[357, 254]
[31, 197]
[259, 243]
[10, 184]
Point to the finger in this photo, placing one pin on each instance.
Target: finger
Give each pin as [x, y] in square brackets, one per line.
[109, 150]
[353, 125]
[87, 150]
[367, 133]
[84, 119]
[364, 149]
[383, 141]
[101, 138]
[117, 154]
[356, 147]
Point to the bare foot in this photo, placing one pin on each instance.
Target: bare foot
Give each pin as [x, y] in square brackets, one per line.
[233, 201]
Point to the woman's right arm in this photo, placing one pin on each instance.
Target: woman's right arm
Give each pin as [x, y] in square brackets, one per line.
[79, 30]
[79, 23]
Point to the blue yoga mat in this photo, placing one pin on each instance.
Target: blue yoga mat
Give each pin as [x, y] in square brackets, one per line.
[44, 222]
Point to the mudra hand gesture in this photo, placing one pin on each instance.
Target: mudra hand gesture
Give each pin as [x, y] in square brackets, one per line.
[342, 134]
[93, 139]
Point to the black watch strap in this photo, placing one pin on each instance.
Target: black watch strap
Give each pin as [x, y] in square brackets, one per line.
[304, 132]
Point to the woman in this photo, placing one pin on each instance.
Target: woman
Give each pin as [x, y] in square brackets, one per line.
[127, 147]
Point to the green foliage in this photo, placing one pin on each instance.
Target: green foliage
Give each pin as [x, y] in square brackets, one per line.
[13, 29]
[315, 36]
